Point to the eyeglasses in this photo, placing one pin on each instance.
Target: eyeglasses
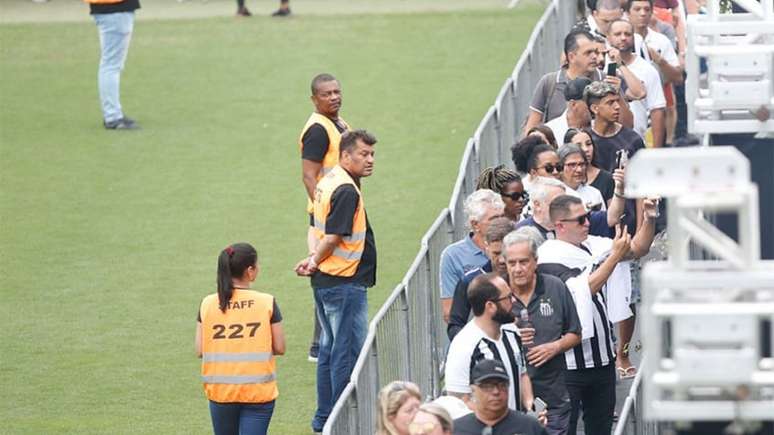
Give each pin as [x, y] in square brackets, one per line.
[517, 196]
[553, 168]
[490, 387]
[574, 165]
[421, 428]
[500, 299]
[580, 219]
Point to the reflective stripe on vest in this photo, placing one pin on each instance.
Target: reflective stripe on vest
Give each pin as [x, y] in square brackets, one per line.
[239, 380]
[237, 359]
[351, 238]
[331, 157]
[346, 256]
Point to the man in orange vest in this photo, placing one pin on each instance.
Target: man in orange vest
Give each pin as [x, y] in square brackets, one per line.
[319, 142]
[342, 267]
[115, 22]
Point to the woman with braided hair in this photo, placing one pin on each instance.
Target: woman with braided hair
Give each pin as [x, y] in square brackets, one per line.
[508, 184]
[238, 332]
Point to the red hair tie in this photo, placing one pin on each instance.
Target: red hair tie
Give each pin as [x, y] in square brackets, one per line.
[230, 251]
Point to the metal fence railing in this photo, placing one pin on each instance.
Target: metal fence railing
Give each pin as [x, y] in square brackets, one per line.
[631, 421]
[406, 338]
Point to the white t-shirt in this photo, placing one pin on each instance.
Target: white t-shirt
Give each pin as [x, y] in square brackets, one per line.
[559, 126]
[661, 44]
[473, 343]
[648, 74]
[591, 197]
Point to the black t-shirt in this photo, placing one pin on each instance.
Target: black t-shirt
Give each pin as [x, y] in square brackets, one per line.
[340, 221]
[553, 314]
[605, 184]
[315, 142]
[605, 147]
[514, 423]
[111, 8]
[276, 315]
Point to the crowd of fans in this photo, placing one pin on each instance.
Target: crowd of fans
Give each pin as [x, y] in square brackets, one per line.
[540, 297]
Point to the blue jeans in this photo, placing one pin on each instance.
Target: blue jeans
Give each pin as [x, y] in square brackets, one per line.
[115, 32]
[343, 313]
[241, 418]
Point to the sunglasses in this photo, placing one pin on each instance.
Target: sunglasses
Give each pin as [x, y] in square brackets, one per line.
[580, 219]
[517, 196]
[553, 168]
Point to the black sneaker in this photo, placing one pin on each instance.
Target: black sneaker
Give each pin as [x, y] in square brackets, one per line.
[281, 13]
[243, 12]
[122, 124]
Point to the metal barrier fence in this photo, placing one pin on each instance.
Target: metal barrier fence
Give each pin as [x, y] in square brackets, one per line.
[406, 338]
[631, 421]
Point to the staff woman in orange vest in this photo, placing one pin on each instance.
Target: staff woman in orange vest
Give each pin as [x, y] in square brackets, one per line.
[238, 332]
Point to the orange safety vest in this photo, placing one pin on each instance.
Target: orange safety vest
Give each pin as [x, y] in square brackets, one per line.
[237, 360]
[346, 256]
[331, 157]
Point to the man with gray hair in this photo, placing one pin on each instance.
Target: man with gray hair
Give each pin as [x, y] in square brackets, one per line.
[546, 303]
[481, 207]
[543, 190]
[460, 309]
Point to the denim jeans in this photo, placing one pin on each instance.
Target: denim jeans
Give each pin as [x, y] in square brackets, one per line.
[241, 418]
[343, 313]
[115, 32]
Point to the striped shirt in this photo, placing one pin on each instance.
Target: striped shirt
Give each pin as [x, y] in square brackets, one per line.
[472, 345]
[599, 350]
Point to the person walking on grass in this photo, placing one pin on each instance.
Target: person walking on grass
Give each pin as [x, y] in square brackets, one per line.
[238, 333]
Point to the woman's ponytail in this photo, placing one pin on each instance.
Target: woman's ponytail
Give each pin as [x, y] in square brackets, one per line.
[232, 263]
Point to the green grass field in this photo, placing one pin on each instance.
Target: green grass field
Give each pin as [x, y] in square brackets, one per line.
[109, 239]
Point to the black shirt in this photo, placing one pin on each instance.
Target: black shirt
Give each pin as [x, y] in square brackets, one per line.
[460, 309]
[340, 221]
[605, 184]
[315, 142]
[514, 423]
[111, 8]
[553, 314]
[605, 147]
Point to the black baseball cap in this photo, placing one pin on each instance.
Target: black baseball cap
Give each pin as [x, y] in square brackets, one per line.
[575, 87]
[486, 370]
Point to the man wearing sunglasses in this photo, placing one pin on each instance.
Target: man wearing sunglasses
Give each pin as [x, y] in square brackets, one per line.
[544, 190]
[589, 266]
[491, 335]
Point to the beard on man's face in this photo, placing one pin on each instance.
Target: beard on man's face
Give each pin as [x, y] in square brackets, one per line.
[503, 316]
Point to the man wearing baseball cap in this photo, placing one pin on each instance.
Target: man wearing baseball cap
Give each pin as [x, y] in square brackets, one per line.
[490, 382]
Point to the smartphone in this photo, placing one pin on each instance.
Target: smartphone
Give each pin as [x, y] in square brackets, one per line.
[539, 406]
[621, 159]
[612, 69]
[622, 220]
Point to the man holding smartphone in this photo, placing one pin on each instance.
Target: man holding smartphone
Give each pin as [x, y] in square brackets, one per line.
[590, 268]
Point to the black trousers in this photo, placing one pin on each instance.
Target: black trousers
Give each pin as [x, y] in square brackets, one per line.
[592, 390]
